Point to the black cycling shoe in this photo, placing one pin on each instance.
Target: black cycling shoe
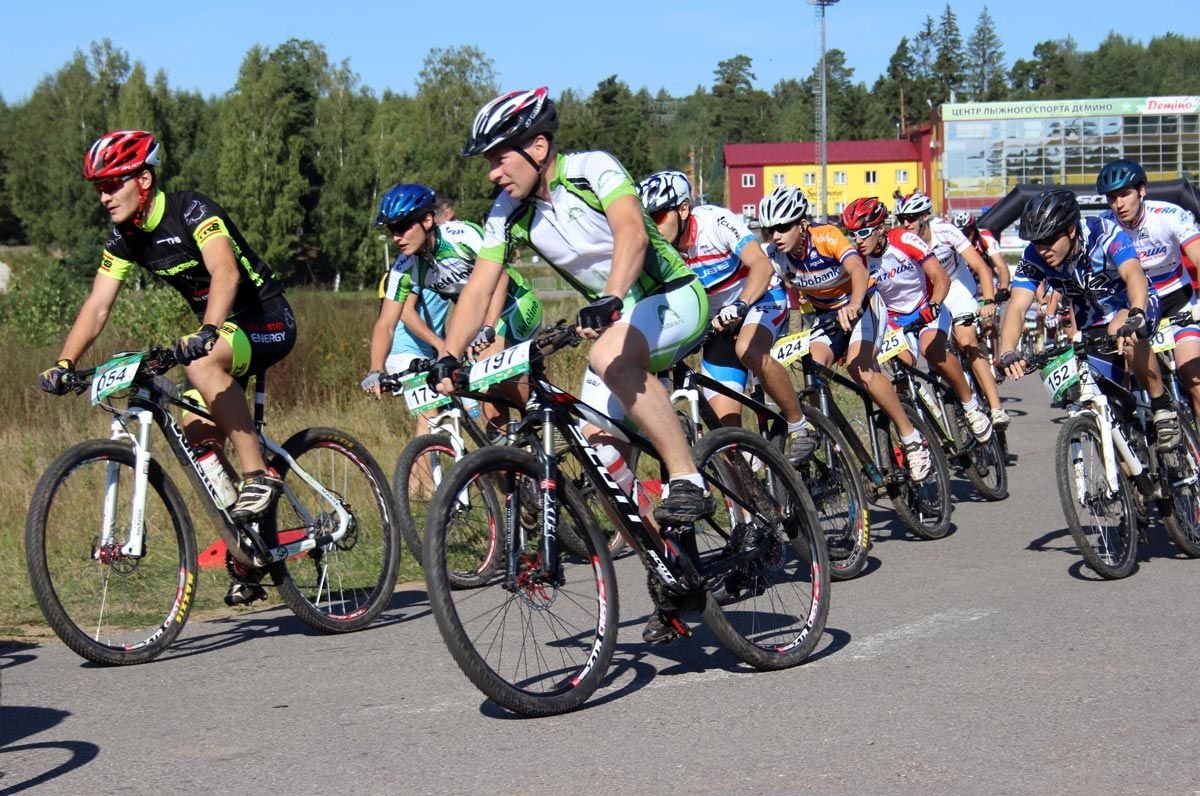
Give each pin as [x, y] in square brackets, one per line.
[686, 503]
[659, 629]
[244, 593]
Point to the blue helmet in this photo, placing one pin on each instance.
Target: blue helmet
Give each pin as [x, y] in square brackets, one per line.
[1120, 174]
[404, 203]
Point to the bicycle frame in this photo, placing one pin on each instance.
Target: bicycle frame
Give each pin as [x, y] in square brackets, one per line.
[818, 378]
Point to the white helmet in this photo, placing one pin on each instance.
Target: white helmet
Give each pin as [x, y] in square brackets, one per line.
[914, 204]
[782, 206]
[512, 120]
[664, 190]
[964, 219]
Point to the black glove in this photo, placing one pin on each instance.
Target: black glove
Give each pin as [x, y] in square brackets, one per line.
[1003, 294]
[601, 313]
[484, 337]
[930, 312]
[1135, 325]
[197, 344]
[444, 368]
[1010, 358]
[57, 380]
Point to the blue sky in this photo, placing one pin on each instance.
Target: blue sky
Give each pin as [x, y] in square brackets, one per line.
[654, 44]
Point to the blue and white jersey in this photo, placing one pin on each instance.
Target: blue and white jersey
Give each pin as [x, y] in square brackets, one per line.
[1090, 280]
[431, 307]
[1159, 234]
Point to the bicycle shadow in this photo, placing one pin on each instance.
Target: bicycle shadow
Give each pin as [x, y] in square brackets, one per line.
[1158, 547]
[18, 722]
[229, 631]
[11, 653]
[887, 526]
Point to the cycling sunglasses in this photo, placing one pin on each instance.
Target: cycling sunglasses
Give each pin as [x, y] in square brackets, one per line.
[782, 228]
[864, 233]
[112, 184]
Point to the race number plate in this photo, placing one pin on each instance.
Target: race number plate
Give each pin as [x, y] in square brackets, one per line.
[419, 396]
[1060, 374]
[894, 342]
[114, 375]
[1164, 339]
[792, 347]
[497, 368]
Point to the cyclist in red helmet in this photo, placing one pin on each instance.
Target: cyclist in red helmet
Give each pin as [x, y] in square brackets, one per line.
[188, 241]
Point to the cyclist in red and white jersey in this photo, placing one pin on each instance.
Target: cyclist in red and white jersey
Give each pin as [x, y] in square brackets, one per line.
[1162, 233]
[742, 288]
[913, 285]
[989, 249]
[972, 290]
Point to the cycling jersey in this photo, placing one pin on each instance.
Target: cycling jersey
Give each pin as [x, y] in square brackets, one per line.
[571, 231]
[432, 309]
[169, 246]
[446, 270]
[986, 244]
[1158, 235]
[948, 244]
[1090, 280]
[711, 245]
[820, 272]
[899, 272]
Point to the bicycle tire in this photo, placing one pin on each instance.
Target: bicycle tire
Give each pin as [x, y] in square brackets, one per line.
[341, 586]
[117, 630]
[1181, 511]
[533, 647]
[412, 505]
[831, 475]
[924, 507]
[983, 463]
[1111, 554]
[773, 606]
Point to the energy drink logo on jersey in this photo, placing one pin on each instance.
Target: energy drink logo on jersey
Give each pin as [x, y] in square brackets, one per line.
[209, 229]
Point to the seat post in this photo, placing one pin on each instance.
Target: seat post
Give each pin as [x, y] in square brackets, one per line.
[260, 399]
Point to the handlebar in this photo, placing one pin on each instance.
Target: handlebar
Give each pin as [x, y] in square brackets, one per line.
[155, 362]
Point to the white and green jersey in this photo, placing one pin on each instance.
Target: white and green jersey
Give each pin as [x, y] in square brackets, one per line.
[447, 269]
[571, 231]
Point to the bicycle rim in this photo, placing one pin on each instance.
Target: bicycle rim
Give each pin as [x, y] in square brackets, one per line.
[533, 646]
[420, 468]
[1102, 522]
[1182, 472]
[338, 586]
[108, 607]
[770, 608]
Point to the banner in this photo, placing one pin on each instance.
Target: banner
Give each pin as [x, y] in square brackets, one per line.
[1050, 109]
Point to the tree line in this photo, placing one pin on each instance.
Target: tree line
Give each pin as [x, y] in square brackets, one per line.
[299, 150]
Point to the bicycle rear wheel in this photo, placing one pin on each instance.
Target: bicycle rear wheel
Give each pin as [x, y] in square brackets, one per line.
[534, 645]
[338, 586]
[835, 484]
[1103, 523]
[108, 607]
[1181, 512]
[772, 607]
[924, 506]
[984, 464]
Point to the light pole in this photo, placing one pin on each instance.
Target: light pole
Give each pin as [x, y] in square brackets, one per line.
[822, 118]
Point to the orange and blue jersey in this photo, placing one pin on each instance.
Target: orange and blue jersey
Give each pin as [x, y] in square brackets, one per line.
[819, 272]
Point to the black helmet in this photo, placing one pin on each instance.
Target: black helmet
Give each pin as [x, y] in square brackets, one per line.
[1119, 174]
[512, 120]
[1048, 214]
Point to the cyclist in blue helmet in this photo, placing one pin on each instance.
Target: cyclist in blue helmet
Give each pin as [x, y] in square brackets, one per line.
[436, 260]
[1161, 232]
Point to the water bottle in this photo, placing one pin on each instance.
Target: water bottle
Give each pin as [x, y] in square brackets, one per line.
[614, 462]
[214, 470]
[930, 400]
[473, 408]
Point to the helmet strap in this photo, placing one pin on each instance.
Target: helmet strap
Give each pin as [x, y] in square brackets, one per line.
[145, 197]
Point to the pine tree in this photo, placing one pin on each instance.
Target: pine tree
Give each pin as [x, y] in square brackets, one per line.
[948, 63]
[984, 60]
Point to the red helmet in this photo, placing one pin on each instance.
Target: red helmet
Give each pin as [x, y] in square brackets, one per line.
[864, 213]
[119, 153]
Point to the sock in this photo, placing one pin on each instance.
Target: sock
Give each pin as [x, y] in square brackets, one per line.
[915, 436]
[1161, 402]
[800, 425]
[972, 404]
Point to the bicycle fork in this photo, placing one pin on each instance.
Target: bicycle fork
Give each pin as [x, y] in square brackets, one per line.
[135, 545]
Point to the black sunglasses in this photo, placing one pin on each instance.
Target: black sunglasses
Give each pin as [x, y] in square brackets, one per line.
[782, 228]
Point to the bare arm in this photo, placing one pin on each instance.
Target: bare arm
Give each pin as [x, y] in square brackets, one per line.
[859, 279]
[761, 272]
[1135, 283]
[983, 274]
[383, 331]
[629, 244]
[91, 318]
[1003, 273]
[938, 278]
[416, 324]
[496, 306]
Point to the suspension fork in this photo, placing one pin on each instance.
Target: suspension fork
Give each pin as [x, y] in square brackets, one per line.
[550, 563]
[135, 545]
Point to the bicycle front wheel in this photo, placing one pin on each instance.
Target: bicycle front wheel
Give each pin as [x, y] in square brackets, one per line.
[420, 468]
[1181, 512]
[769, 608]
[1102, 522]
[835, 484]
[535, 644]
[106, 605]
[342, 585]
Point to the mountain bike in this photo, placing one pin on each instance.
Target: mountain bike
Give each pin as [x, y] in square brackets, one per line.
[110, 546]
[924, 506]
[983, 463]
[830, 474]
[1109, 471]
[538, 638]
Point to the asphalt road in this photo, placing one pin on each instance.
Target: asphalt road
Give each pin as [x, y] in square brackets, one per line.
[990, 661]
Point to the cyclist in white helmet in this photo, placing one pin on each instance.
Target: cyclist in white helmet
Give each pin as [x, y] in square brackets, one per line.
[915, 213]
[745, 298]
[580, 212]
